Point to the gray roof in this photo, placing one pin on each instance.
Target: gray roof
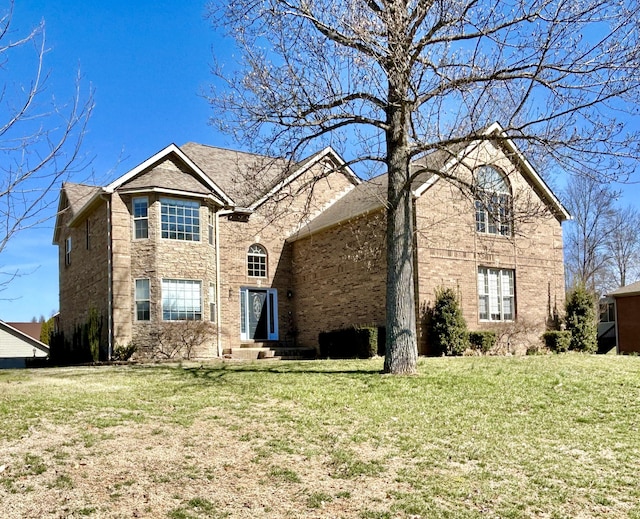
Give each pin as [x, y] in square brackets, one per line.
[630, 290]
[370, 196]
[245, 177]
[78, 195]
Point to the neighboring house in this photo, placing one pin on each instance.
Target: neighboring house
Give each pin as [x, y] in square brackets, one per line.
[18, 344]
[205, 234]
[606, 324]
[627, 321]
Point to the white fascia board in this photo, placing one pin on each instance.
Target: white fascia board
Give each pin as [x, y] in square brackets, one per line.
[27, 338]
[174, 192]
[172, 148]
[99, 194]
[317, 158]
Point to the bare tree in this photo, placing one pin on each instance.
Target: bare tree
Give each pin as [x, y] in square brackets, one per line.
[40, 138]
[623, 247]
[387, 81]
[587, 257]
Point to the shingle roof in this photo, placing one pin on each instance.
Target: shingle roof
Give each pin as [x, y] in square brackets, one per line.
[245, 177]
[78, 195]
[630, 290]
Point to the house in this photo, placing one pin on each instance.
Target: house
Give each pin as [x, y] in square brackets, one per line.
[18, 344]
[197, 234]
[626, 309]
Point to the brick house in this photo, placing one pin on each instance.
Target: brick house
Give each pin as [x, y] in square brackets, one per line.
[197, 233]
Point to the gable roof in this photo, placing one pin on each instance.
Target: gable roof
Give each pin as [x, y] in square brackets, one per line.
[630, 290]
[251, 179]
[73, 199]
[159, 157]
[371, 196]
[20, 344]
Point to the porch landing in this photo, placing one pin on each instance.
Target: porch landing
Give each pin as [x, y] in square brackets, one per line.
[269, 351]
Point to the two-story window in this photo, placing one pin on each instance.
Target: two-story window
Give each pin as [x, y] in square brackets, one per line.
[496, 294]
[140, 218]
[493, 202]
[181, 299]
[180, 219]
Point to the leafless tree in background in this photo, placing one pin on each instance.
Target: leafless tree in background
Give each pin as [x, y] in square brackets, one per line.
[387, 81]
[587, 257]
[40, 138]
[623, 248]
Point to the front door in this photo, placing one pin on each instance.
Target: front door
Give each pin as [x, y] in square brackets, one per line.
[259, 314]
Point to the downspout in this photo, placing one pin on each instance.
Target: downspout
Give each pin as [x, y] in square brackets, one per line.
[218, 312]
[615, 306]
[109, 281]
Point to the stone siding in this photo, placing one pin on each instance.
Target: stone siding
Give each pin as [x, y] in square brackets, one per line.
[83, 283]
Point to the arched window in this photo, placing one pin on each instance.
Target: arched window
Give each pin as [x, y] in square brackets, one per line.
[257, 261]
[493, 202]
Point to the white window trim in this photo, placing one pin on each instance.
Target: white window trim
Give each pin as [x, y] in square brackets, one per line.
[272, 313]
[503, 225]
[141, 300]
[484, 291]
[263, 254]
[139, 218]
[192, 281]
[196, 238]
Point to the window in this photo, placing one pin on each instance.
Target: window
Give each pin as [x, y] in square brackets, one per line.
[181, 300]
[140, 218]
[257, 261]
[259, 314]
[496, 299]
[607, 312]
[493, 202]
[212, 302]
[142, 300]
[67, 251]
[180, 219]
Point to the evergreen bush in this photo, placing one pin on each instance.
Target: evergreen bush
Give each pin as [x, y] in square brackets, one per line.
[581, 320]
[483, 341]
[557, 341]
[447, 327]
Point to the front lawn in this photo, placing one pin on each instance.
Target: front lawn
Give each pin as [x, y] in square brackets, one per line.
[544, 436]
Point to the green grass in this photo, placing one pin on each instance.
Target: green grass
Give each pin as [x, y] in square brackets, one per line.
[542, 436]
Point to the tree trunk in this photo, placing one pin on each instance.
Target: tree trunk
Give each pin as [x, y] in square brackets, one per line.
[401, 355]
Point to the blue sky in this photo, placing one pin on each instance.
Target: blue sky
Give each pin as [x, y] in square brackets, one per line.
[148, 61]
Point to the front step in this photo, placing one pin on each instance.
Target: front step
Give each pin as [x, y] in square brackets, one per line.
[275, 352]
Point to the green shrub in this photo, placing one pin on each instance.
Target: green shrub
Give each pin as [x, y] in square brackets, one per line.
[123, 352]
[557, 341]
[348, 343]
[447, 327]
[483, 341]
[581, 320]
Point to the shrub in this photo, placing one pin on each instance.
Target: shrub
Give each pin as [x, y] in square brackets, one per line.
[360, 342]
[483, 341]
[123, 352]
[557, 341]
[447, 327]
[581, 320]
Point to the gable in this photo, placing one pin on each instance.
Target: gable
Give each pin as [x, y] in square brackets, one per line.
[16, 344]
[170, 174]
[171, 162]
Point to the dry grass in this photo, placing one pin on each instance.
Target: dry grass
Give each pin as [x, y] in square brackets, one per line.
[548, 437]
